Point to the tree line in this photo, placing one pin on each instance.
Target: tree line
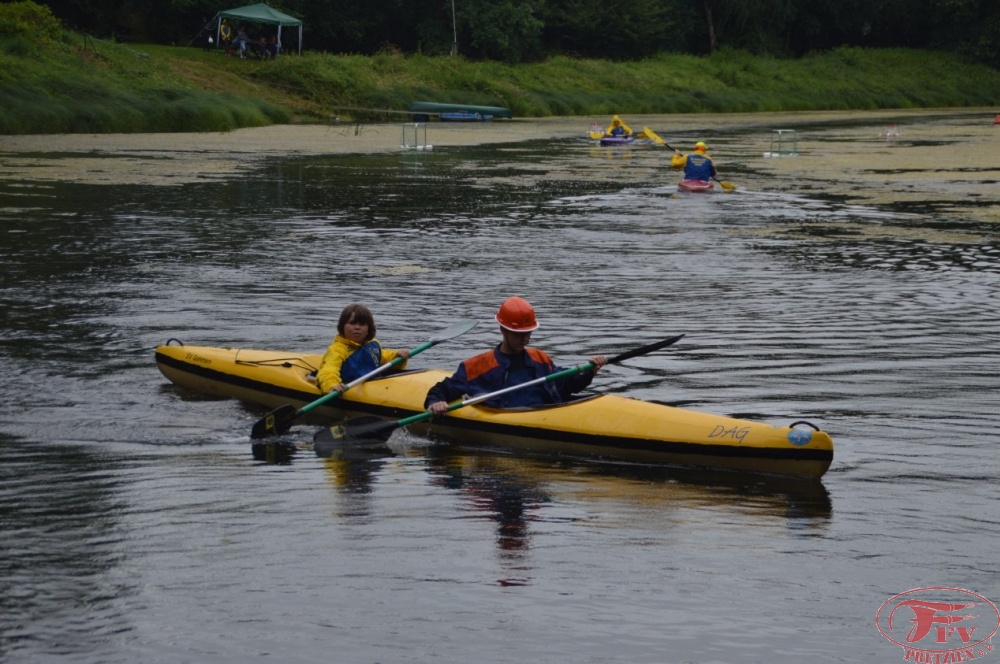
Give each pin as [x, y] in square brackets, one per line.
[529, 30]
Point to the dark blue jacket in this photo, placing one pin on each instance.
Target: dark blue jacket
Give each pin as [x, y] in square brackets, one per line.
[490, 371]
[697, 166]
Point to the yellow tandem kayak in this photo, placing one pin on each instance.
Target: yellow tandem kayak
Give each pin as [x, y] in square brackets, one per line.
[606, 426]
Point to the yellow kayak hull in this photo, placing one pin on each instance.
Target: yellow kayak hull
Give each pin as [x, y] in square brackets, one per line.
[606, 426]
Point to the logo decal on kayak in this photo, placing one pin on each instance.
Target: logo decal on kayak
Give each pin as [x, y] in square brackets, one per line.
[735, 433]
[800, 436]
[939, 624]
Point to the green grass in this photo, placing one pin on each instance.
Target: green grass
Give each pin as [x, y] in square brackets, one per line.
[74, 84]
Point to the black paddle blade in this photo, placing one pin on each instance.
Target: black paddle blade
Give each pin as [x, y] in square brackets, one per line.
[367, 430]
[645, 349]
[275, 423]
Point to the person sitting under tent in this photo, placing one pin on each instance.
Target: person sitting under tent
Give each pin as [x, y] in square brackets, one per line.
[241, 42]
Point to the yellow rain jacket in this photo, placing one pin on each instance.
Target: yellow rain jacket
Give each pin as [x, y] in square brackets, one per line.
[343, 363]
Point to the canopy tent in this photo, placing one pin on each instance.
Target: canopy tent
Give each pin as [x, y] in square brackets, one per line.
[259, 13]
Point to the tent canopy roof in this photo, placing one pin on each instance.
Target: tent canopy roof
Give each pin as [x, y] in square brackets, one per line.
[260, 13]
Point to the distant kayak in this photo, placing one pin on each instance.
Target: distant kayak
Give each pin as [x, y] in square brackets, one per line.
[616, 133]
[696, 186]
[617, 140]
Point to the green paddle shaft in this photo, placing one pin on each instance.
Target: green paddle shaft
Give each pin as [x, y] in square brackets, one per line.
[279, 420]
[343, 431]
[572, 371]
[578, 369]
[453, 331]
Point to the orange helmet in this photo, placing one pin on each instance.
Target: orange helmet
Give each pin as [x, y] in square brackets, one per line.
[517, 315]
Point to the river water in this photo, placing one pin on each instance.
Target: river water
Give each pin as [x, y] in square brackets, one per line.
[138, 527]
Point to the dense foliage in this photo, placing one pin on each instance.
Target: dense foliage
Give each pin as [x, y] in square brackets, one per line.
[526, 30]
[54, 80]
[51, 81]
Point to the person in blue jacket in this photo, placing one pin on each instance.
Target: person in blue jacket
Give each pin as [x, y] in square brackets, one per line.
[512, 362]
[697, 165]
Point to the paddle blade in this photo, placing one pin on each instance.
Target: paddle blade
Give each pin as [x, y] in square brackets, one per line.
[645, 349]
[459, 328]
[368, 430]
[727, 185]
[275, 423]
[652, 135]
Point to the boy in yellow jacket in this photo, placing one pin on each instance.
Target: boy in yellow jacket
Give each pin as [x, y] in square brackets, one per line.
[355, 351]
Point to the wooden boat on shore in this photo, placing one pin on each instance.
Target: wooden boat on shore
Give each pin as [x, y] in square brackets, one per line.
[465, 116]
[606, 426]
[463, 111]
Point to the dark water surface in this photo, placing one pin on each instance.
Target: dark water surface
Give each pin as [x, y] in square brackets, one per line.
[137, 527]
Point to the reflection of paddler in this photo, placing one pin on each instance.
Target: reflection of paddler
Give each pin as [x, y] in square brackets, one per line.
[352, 475]
[507, 497]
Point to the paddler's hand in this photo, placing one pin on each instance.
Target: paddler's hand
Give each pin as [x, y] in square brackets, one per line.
[598, 361]
[438, 407]
[405, 354]
[677, 152]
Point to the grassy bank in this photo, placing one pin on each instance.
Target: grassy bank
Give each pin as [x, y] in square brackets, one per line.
[74, 84]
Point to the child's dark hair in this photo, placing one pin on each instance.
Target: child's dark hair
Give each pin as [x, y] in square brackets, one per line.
[359, 313]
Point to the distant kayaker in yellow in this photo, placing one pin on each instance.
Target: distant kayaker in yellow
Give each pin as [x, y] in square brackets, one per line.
[618, 128]
[697, 165]
[512, 362]
[355, 351]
